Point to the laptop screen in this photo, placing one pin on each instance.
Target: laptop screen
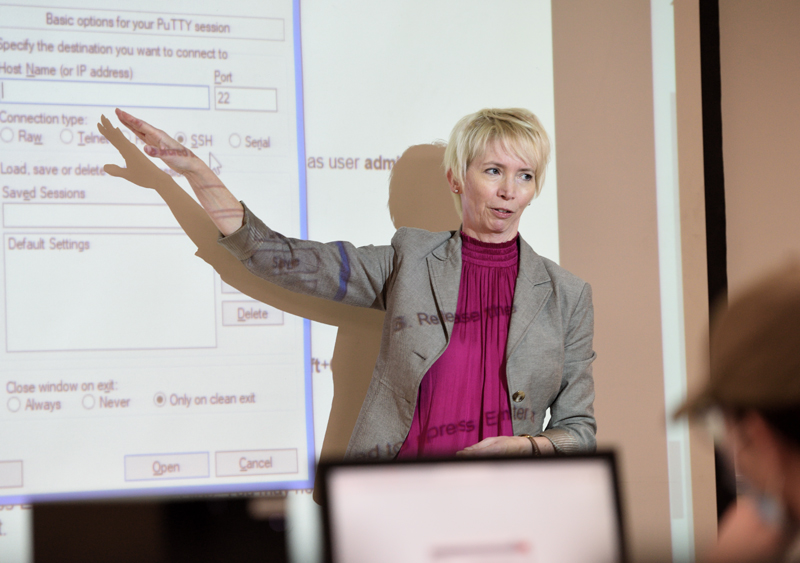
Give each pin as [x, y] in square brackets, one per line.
[510, 510]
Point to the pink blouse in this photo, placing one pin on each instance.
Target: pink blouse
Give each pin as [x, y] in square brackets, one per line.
[464, 396]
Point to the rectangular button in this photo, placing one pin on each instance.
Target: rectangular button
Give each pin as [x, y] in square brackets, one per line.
[10, 474]
[149, 467]
[256, 462]
[227, 288]
[250, 313]
[245, 99]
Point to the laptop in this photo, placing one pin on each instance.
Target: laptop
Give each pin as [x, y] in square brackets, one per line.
[467, 510]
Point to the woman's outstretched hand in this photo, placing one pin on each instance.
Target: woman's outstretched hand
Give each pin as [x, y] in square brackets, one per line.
[222, 207]
[160, 145]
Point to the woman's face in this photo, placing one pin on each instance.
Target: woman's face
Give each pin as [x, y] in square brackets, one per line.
[497, 189]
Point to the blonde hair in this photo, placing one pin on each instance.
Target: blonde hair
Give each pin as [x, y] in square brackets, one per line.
[518, 131]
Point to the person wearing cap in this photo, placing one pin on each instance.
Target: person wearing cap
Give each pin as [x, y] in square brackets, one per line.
[481, 334]
[754, 387]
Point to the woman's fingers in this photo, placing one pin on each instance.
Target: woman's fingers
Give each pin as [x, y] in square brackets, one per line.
[160, 145]
[498, 445]
[484, 447]
[146, 132]
[131, 123]
[138, 126]
[128, 119]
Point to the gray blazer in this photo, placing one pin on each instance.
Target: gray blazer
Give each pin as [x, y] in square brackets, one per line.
[415, 280]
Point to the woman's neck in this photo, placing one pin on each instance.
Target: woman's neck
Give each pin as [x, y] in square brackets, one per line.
[494, 238]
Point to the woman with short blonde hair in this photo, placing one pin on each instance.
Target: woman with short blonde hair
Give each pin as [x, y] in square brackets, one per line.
[482, 335]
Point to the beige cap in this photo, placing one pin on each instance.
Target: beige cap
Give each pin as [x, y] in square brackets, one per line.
[755, 349]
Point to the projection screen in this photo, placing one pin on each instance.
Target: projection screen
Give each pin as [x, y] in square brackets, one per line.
[130, 367]
[127, 358]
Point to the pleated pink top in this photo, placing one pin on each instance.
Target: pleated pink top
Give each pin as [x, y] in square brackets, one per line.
[464, 396]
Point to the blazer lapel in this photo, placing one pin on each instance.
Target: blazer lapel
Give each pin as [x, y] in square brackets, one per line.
[444, 268]
[530, 294]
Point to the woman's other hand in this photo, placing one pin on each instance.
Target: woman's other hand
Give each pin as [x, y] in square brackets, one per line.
[160, 145]
[507, 445]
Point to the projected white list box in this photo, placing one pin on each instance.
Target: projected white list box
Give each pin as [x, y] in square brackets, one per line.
[104, 94]
[10, 474]
[88, 215]
[103, 291]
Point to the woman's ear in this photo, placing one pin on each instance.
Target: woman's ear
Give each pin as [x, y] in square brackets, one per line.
[451, 179]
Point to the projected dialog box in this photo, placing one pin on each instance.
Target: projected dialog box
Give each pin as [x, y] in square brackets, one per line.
[124, 356]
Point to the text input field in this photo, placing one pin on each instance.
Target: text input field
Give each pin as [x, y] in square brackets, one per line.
[88, 215]
[245, 99]
[104, 94]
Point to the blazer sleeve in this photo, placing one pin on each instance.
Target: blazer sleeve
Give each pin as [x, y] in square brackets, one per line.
[572, 425]
[337, 270]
